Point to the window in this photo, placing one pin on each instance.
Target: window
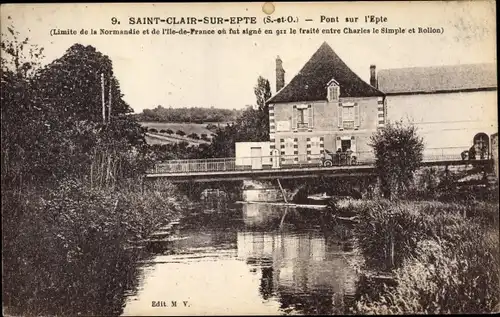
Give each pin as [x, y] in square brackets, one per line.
[333, 92]
[302, 117]
[301, 122]
[349, 116]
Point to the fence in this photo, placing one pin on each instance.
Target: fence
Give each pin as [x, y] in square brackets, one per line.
[299, 161]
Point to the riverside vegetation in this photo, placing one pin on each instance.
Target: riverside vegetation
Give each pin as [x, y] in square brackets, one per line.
[72, 202]
[438, 244]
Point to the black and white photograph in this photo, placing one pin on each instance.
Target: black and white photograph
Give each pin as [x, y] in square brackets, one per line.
[259, 158]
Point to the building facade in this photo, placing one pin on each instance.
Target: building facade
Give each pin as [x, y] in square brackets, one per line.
[453, 107]
[325, 106]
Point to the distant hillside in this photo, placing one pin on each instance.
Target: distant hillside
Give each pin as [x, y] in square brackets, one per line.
[190, 115]
[166, 132]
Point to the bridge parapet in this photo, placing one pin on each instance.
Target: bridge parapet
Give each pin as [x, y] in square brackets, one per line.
[231, 164]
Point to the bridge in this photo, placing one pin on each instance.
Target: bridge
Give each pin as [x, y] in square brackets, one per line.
[289, 167]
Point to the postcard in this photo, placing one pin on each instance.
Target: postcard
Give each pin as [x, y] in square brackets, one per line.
[260, 158]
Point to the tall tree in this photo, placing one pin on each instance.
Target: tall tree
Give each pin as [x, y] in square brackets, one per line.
[20, 122]
[262, 93]
[398, 153]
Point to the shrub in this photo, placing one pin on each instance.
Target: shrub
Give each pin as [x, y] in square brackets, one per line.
[70, 247]
[162, 131]
[398, 154]
[388, 232]
[180, 132]
[211, 126]
[169, 131]
[153, 130]
[462, 277]
[194, 136]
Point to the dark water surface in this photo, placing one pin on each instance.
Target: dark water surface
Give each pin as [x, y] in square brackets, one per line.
[240, 262]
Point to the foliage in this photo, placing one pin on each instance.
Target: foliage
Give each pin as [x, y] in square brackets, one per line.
[19, 56]
[180, 132]
[70, 248]
[66, 175]
[445, 257]
[404, 223]
[251, 126]
[461, 277]
[193, 114]
[194, 136]
[169, 131]
[398, 153]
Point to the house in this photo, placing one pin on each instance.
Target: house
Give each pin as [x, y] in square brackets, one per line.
[325, 106]
[453, 107]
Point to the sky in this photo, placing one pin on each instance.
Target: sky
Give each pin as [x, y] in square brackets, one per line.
[221, 70]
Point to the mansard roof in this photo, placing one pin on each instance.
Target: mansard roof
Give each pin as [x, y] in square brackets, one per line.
[311, 82]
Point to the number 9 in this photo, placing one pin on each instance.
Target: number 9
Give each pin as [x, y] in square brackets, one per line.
[114, 20]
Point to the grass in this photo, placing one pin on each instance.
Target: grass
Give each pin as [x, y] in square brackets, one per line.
[444, 256]
[66, 247]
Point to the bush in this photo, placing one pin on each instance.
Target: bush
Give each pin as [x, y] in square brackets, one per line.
[194, 136]
[445, 257]
[153, 130]
[398, 154]
[180, 132]
[69, 247]
[462, 277]
[211, 126]
[388, 232]
[170, 131]
[162, 131]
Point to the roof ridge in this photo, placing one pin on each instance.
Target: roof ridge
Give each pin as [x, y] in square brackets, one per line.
[437, 66]
[309, 84]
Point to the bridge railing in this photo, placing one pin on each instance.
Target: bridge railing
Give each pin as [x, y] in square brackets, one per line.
[288, 161]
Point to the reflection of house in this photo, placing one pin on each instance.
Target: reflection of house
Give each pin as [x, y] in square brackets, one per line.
[297, 263]
[325, 106]
[452, 106]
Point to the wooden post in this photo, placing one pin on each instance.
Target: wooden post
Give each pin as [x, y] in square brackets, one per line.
[283, 218]
[109, 102]
[282, 191]
[103, 101]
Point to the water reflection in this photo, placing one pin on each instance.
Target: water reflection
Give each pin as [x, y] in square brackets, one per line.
[249, 269]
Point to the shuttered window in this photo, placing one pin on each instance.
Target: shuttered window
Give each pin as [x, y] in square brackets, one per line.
[349, 116]
[294, 117]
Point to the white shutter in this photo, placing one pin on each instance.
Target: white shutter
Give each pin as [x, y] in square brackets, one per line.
[340, 115]
[311, 118]
[339, 144]
[356, 115]
[353, 144]
[294, 118]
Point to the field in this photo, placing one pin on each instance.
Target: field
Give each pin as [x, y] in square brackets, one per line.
[163, 138]
[188, 128]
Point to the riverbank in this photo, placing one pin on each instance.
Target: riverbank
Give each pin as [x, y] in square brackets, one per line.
[442, 257]
[69, 246]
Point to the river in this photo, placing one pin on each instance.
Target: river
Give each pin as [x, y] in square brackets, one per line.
[239, 261]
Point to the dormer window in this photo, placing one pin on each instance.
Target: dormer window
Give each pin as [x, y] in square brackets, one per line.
[333, 91]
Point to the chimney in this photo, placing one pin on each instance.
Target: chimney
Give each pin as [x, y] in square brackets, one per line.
[280, 74]
[373, 76]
